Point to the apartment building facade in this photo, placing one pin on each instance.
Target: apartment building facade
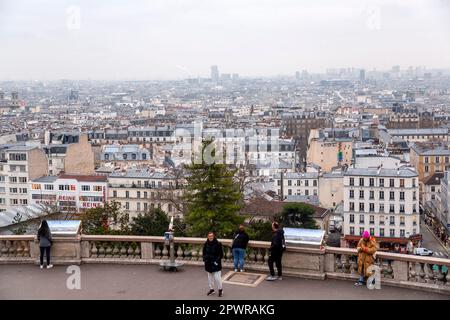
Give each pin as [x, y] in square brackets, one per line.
[384, 202]
[70, 193]
[141, 190]
[18, 165]
[296, 183]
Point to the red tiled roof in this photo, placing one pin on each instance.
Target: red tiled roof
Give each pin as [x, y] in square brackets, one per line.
[86, 178]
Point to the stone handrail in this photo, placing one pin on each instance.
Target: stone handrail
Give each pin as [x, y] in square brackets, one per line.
[410, 271]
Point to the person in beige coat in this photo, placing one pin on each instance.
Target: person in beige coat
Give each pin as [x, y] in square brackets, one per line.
[367, 247]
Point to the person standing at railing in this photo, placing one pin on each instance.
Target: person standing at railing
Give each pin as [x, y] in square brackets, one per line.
[367, 247]
[212, 256]
[44, 236]
[276, 249]
[239, 247]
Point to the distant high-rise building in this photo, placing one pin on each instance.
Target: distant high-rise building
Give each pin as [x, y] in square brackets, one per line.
[305, 75]
[235, 77]
[214, 74]
[297, 75]
[73, 96]
[396, 69]
[362, 75]
[225, 76]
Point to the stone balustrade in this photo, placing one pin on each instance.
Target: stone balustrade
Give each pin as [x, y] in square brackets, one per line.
[410, 271]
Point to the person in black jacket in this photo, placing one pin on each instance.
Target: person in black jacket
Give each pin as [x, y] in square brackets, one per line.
[44, 237]
[212, 256]
[276, 252]
[240, 248]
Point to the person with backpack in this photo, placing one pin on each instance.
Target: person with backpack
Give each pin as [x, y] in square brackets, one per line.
[212, 256]
[44, 236]
[239, 248]
[276, 249]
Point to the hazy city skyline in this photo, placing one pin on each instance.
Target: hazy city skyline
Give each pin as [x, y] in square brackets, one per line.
[179, 39]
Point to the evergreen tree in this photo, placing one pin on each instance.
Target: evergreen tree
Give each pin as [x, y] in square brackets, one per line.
[298, 215]
[213, 198]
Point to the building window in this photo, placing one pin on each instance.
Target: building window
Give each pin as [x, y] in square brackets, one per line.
[371, 219]
[352, 194]
[361, 194]
[381, 195]
[306, 183]
[381, 182]
[138, 194]
[36, 186]
[372, 195]
[361, 231]
[426, 169]
[289, 183]
[414, 183]
[48, 187]
[391, 195]
[352, 181]
[402, 221]
[402, 195]
[352, 218]
[381, 232]
[371, 182]
[392, 232]
[138, 206]
[352, 206]
[361, 206]
[315, 183]
[127, 205]
[352, 230]
[402, 233]
[381, 207]
[371, 207]
[391, 183]
[114, 194]
[392, 221]
[402, 208]
[402, 183]
[414, 196]
[437, 159]
[85, 188]
[426, 159]
[127, 194]
[361, 182]
[361, 218]
[372, 231]
[391, 208]
[382, 220]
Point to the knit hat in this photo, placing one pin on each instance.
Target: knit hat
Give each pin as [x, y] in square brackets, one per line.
[366, 234]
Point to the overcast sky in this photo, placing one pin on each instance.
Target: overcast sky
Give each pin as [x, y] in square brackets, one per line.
[173, 39]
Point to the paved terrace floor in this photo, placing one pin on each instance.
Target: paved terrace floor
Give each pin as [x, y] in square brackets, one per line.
[149, 282]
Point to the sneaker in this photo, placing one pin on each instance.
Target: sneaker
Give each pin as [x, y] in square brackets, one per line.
[221, 293]
[210, 292]
[49, 266]
[242, 270]
[280, 278]
[271, 278]
[42, 267]
[235, 270]
[359, 284]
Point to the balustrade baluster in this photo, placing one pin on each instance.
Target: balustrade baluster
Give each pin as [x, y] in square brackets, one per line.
[137, 251]
[157, 251]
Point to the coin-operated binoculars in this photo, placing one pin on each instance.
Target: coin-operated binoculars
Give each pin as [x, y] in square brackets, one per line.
[171, 264]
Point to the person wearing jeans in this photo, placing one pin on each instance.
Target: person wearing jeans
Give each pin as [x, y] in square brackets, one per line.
[239, 247]
[44, 237]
